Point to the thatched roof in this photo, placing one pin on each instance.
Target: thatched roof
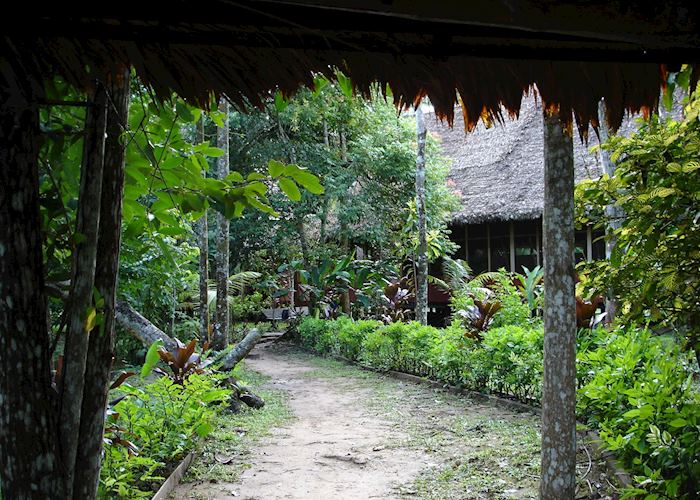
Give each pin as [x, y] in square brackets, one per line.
[499, 172]
[489, 51]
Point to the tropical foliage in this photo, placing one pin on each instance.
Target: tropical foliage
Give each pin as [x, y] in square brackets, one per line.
[654, 268]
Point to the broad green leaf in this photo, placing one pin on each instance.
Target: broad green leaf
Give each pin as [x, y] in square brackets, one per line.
[204, 429]
[215, 395]
[255, 176]
[166, 218]
[234, 177]
[90, 319]
[213, 152]
[184, 111]
[280, 102]
[152, 358]
[289, 188]
[217, 118]
[308, 181]
[275, 168]
[678, 422]
[344, 83]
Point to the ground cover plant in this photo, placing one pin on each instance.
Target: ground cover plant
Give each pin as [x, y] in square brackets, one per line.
[636, 388]
[153, 426]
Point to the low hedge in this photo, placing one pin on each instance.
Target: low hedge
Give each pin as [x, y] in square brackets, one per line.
[636, 389]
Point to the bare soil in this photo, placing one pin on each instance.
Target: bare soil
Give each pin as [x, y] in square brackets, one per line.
[358, 434]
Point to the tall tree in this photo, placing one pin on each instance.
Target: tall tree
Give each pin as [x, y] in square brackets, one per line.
[29, 463]
[422, 254]
[101, 340]
[558, 473]
[82, 311]
[203, 238]
[613, 213]
[221, 320]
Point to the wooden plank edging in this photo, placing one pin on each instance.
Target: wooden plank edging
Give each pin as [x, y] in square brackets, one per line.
[174, 479]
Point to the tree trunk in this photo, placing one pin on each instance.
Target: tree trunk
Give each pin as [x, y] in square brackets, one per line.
[203, 231]
[558, 475]
[613, 214]
[345, 242]
[239, 352]
[220, 332]
[422, 264]
[132, 321]
[82, 282]
[302, 239]
[29, 464]
[101, 343]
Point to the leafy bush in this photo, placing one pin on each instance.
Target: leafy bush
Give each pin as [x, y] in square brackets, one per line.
[151, 428]
[247, 307]
[351, 334]
[640, 394]
[380, 347]
[310, 330]
[513, 361]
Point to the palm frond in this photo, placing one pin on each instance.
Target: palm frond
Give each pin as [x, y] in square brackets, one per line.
[456, 271]
[484, 279]
[237, 282]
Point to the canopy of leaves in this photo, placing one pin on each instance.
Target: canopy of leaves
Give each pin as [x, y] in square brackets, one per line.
[654, 268]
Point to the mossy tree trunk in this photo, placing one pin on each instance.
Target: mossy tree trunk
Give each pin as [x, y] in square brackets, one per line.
[81, 306]
[203, 238]
[221, 320]
[422, 255]
[30, 465]
[101, 340]
[558, 475]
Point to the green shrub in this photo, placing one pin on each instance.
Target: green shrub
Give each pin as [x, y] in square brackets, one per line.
[380, 348]
[447, 356]
[513, 355]
[310, 330]
[247, 307]
[514, 310]
[351, 335]
[151, 428]
[635, 388]
[640, 394]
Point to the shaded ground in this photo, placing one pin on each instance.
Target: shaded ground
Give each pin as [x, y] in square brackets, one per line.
[357, 434]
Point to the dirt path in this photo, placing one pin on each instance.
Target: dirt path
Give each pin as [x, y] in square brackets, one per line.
[358, 435]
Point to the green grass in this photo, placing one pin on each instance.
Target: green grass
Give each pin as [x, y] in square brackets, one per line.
[236, 433]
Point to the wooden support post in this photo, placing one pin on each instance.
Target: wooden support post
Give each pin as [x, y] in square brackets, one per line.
[558, 474]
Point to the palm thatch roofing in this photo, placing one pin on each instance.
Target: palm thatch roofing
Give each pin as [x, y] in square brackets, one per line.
[498, 172]
[488, 51]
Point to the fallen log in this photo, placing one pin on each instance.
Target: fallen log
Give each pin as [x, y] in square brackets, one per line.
[233, 357]
[138, 326]
[132, 321]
